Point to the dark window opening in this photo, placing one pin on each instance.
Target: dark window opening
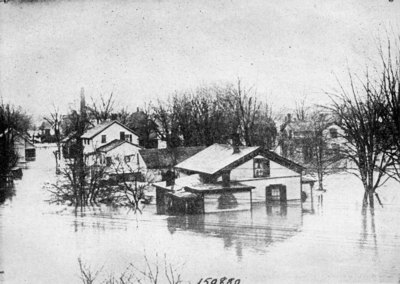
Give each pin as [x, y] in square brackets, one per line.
[103, 139]
[108, 161]
[262, 167]
[333, 132]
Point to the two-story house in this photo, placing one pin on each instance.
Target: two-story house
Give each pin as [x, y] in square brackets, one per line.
[113, 146]
[105, 133]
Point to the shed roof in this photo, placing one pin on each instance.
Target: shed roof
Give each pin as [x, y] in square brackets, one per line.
[92, 132]
[165, 158]
[194, 184]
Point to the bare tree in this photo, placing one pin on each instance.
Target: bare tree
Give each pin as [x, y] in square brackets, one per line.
[359, 113]
[55, 120]
[103, 110]
[168, 129]
[324, 159]
[388, 95]
[252, 118]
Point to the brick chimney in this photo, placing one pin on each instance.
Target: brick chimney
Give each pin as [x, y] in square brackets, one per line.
[235, 143]
[226, 178]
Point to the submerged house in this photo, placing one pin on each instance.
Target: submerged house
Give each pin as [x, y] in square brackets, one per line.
[225, 177]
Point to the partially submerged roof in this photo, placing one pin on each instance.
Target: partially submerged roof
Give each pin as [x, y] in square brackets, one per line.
[113, 144]
[165, 158]
[92, 132]
[215, 158]
[219, 157]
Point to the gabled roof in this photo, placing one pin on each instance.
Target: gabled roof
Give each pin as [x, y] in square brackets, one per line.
[94, 131]
[215, 158]
[114, 144]
[165, 158]
[219, 157]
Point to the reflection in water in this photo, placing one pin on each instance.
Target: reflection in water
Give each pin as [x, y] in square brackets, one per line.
[278, 242]
[227, 201]
[256, 229]
[368, 232]
[7, 193]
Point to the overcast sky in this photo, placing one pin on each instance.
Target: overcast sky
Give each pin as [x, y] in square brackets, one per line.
[144, 50]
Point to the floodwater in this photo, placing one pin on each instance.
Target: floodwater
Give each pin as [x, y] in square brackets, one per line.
[328, 241]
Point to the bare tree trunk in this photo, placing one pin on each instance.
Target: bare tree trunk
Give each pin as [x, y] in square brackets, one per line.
[371, 199]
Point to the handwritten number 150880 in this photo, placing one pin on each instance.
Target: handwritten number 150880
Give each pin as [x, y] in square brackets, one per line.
[222, 280]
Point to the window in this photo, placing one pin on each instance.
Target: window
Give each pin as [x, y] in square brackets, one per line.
[103, 138]
[275, 193]
[261, 167]
[128, 137]
[122, 136]
[108, 161]
[333, 132]
[127, 159]
[335, 149]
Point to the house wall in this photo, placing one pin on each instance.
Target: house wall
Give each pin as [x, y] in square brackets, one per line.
[118, 154]
[112, 133]
[212, 203]
[293, 187]
[279, 175]
[19, 146]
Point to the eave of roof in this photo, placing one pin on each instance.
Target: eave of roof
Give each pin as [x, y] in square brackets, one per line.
[252, 153]
[216, 158]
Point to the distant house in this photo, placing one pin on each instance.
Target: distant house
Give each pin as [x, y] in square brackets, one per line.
[106, 132]
[295, 137]
[225, 177]
[159, 161]
[46, 133]
[69, 145]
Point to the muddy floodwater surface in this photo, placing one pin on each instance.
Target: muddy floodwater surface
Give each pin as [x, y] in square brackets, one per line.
[331, 240]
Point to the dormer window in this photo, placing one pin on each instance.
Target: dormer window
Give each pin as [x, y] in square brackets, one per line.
[103, 138]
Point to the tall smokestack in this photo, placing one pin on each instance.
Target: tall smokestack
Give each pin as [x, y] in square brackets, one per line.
[83, 101]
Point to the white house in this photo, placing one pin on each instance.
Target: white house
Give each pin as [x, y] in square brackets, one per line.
[106, 132]
[119, 157]
[221, 177]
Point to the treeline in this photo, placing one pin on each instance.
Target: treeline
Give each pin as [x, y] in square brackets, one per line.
[202, 116]
[215, 114]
